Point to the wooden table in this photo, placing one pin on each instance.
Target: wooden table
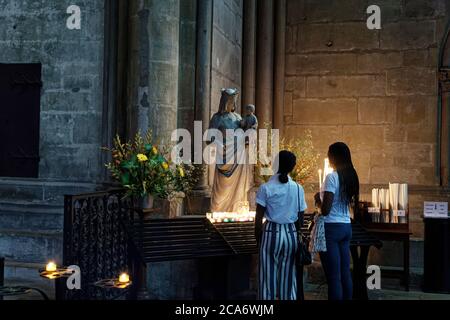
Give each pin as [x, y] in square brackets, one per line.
[402, 235]
[360, 245]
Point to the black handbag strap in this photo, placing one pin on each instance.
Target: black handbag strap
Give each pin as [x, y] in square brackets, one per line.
[298, 210]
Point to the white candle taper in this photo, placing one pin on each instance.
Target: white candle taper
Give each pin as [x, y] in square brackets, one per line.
[320, 179]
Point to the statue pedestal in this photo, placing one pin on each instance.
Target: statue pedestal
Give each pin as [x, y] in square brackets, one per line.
[227, 278]
[199, 202]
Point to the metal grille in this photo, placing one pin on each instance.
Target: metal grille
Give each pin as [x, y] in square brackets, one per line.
[239, 235]
[104, 235]
[179, 239]
[95, 239]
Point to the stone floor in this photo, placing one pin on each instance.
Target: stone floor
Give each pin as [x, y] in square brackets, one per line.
[312, 292]
[48, 289]
[319, 292]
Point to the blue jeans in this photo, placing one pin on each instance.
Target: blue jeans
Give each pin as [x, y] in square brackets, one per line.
[336, 261]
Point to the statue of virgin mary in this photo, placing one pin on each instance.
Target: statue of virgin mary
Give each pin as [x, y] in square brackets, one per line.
[232, 179]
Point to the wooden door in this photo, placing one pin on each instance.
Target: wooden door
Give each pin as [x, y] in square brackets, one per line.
[20, 86]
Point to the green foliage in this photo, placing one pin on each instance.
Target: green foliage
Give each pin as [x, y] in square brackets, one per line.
[143, 169]
[139, 166]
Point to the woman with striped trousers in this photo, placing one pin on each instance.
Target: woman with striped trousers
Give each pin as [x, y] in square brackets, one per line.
[280, 201]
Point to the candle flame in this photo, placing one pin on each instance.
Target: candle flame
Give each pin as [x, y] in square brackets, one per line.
[242, 216]
[51, 267]
[124, 278]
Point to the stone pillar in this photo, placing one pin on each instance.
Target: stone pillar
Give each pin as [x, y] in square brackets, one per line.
[203, 70]
[153, 67]
[186, 80]
[249, 53]
[163, 29]
[199, 203]
[264, 61]
[110, 81]
[444, 138]
[279, 67]
[122, 68]
[444, 114]
[137, 69]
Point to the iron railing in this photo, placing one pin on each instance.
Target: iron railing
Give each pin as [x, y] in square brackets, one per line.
[96, 239]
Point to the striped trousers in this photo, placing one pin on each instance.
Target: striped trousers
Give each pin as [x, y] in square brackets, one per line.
[277, 272]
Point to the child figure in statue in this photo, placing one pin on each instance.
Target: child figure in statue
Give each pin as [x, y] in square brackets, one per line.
[250, 121]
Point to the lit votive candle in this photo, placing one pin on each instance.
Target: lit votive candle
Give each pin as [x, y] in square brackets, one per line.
[124, 278]
[50, 267]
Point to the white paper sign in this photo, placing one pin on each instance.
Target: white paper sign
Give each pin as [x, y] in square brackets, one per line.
[435, 209]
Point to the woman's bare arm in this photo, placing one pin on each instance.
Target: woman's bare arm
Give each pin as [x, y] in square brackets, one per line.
[299, 222]
[260, 210]
[325, 205]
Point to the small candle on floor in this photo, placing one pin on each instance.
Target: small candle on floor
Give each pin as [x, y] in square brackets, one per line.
[124, 278]
[51, 267]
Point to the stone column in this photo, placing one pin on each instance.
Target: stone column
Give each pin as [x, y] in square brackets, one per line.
[137, 69]
[110, 81]
[199, 202]
[153, 67]
[443, 157]
[280, 62]
[163, 30]
[249, 53]
[264, 61]
[203, 71]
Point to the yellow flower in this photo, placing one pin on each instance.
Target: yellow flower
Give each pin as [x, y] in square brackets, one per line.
[142, 157]
[154, 150]
[165, 165]
[181, 172]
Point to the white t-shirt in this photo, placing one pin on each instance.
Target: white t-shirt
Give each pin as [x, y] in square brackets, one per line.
[339, 212]
[283, 201]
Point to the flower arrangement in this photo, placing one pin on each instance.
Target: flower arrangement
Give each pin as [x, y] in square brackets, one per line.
[144, 169]
[139, 166]
[307, 158]
[185, 177]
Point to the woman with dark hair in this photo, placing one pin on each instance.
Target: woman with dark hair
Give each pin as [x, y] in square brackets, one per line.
[340, 191]
[281, 201]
